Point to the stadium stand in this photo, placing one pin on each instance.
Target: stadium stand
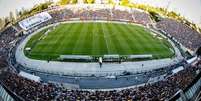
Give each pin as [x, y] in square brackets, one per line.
[35, 20]
[182, 33]
[161, 90]
[4, 95]
[156, 91]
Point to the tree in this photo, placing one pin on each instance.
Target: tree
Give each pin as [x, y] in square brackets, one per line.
[1, 23]
[6, 20]
[90, 1]
[64, 2]
[111, 2]
[124, 2]
[23, 13]
[74, 1]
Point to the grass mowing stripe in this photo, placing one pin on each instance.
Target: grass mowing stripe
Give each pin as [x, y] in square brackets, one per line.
[111, 36]
[145, 39]
[108, 36]
[78, 48]
[102, 42]
[95, 40]
[98, 39]
[131, 39]
[86, 45]
[41, 48]
[64, 41]
[117, 39]
[88, 39]
[105, 38]
[73, 38]
[124, 42]
[155, 47]
[158, 46]
[50, 47]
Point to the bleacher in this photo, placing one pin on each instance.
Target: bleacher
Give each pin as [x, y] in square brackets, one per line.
[35, 20]
[186, 79]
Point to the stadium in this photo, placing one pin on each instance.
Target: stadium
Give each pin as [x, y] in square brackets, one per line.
[99, 50]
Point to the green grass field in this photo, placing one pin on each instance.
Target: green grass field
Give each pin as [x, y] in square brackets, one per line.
[96, 39]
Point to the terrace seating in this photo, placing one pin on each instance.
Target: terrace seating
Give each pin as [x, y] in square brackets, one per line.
[184, 34]
[117, 15]
[30, 90]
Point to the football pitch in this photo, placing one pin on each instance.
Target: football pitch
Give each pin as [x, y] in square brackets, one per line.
[96, 39]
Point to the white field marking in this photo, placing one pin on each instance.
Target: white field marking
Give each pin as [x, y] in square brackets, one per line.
[172, 50]
[105, 38]
[86, 69]
[93, 37]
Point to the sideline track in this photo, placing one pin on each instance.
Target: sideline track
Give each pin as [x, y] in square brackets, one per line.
[88, 69]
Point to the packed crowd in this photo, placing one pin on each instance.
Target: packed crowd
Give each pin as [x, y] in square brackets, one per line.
[7, 38]
[181, 32]
[141, 18]
[31, 90]
[61, 15]
[117, 15]
[101, 14]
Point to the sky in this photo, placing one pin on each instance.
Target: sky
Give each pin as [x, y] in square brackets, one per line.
[191, 9]
[11, 5]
